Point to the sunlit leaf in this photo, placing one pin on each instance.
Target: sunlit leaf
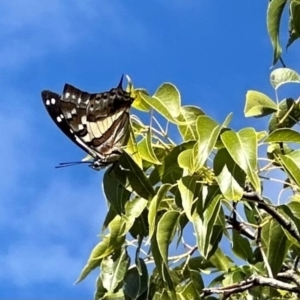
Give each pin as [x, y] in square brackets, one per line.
[153, 207]
[242, 147]
[165, 231]
[275, 8]
[284, 135]
[113, 269]
[274, 243]
[258, 104]
[145, 149]
[189, 114]
[231, 178]
[282, 76]
[287, 116]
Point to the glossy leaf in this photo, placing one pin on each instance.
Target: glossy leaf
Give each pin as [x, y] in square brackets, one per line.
[281, 76]
[286, 117]
[187, 187]
[241, 246]
[230, 177]
[113, 269]
[208, 132]
[258, 104]
[242, 147]
[284, 135]
[204, 225]
[154, 205]
[189, 114]
[275, 8]
[111, 242]
[139, 182]
[116, 193]
[136, 284]
[145, 149]
[274, 243]
[292, 167]
[165, 231]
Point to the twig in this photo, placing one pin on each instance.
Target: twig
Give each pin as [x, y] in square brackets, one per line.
[286, 224]
[247, 284]
[240, 227]
[290, 274]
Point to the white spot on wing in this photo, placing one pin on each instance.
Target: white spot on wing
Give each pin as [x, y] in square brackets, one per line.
[80, 127]
[67, 95]
[83, 119]
[71, 130]
[53, 101]
[69, 115]
[58, 118]
[79, 100]
[73, 111]
[48, 102]
[73, 96]
[62, 116]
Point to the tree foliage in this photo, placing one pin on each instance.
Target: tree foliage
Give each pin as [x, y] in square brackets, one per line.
[187, 215]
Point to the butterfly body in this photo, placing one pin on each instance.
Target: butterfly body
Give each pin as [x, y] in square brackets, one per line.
[98, 123]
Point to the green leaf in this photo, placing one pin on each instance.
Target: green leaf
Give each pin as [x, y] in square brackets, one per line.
[295, 13]
[291, 212]
[258, 105]
[154, 205]
[274, 243]
[166, 228]
[170, 97]
[204, 224]
[115, 192]
[145, 149]
[186, 160]
[242, 147]
[187, 186]
[274, 13]
[281, 76]
[287, 116]
[139, 103]
[241, 246]
[113, 269]
[230, 177]
[171, 170]
[110, 243]
[162, 268]
[166, 101]
[284, 135]
[221, 261]
[136, 284]
[208, 132]
[136, 177]
[189, 114]
[291, 166]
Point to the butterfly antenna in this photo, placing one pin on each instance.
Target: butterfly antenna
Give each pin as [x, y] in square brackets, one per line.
[120, 85]
[71, 164]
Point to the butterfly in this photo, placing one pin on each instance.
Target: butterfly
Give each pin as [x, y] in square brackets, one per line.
[98, 123]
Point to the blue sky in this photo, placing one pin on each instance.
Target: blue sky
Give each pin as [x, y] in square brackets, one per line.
[213, 51]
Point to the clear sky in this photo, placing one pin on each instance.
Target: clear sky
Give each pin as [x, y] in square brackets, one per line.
[213, 51]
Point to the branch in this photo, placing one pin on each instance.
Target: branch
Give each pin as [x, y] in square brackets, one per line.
[247, 284]
[290, 274]
[240, 227]
[286, 224]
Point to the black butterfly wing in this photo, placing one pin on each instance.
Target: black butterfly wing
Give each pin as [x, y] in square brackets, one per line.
[98, 123]
[101, 120]
[52, 102]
